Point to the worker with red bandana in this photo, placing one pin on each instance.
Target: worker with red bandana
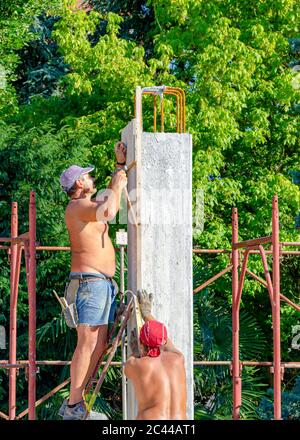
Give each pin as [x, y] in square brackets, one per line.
[158, 372]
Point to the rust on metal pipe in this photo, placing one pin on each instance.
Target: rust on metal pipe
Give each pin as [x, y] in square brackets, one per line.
[58, 248]
[289, 252]
[286, 243]
[291, 303]
[13, 313]
[208, 363]
[16, 240]
[24, 364]
[180, 105]
[211, 251]
[181, 98]
[195, 251]
[276, 314]
[236, 367]
[162, 115]
[154, 113]
[267, 275]
[257, 278]
[242, 280]
[119, 364]
[254, 242]
[247, 363]
[32, 307]
[251, 251]
[269, 252]
[178, 127]
[27, 242]
[53, 248]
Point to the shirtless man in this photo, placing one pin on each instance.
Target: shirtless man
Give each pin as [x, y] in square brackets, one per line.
[93, 264]
[158, 376]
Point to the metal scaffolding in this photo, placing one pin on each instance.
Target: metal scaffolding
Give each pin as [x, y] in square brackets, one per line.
[238, 255]
[255, 246]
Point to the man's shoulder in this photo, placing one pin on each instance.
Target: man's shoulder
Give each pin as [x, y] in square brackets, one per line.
[78, 205]
[130, 360]
[175, 356]
[138, 362]
[133, 362]
[131, 367]
[81, 202]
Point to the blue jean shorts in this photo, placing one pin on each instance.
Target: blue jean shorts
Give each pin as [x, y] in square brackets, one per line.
[96, 300]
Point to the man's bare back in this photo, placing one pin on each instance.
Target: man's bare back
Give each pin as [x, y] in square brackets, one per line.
[160, 386]
[91, 247]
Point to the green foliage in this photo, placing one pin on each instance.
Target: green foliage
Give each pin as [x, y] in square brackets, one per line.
[137, 21]
[40, 66]
[16, 18]
[290, 404]
[213, 342]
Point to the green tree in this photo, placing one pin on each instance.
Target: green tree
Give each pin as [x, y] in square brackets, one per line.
[290, 404]
[77, 125]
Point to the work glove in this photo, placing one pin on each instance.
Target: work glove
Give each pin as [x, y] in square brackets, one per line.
[145, 301]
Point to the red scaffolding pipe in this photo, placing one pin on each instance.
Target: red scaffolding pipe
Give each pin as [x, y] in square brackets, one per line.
[27, 242]
[254, 246]
[13, 313]
[30, 258]
[236, 368]
[276, 311]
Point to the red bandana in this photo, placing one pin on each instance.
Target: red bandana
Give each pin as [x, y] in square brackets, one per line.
[153, 334]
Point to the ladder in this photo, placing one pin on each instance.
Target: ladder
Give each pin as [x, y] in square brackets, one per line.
[123, 316]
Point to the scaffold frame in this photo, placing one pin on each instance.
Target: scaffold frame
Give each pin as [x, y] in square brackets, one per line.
[238, 255]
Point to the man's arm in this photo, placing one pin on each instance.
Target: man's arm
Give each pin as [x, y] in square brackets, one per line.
[108, 204]
[129, 367]
[121, 153]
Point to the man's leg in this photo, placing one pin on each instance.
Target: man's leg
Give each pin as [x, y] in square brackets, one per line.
[100, 347]
[89, 340]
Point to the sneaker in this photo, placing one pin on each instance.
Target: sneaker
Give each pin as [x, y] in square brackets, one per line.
[78, 412]
[94, 415]
[62, 408]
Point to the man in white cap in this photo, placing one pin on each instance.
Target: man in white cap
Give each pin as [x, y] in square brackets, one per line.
[93, 264]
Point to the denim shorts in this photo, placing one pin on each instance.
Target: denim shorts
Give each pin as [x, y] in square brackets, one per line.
[96, 300]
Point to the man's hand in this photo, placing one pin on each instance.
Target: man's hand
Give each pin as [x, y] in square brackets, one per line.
[133, 342]
[120, 151]
[145, 301]
[119, 179]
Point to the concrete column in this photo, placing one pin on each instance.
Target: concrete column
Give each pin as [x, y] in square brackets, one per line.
[160, 247]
